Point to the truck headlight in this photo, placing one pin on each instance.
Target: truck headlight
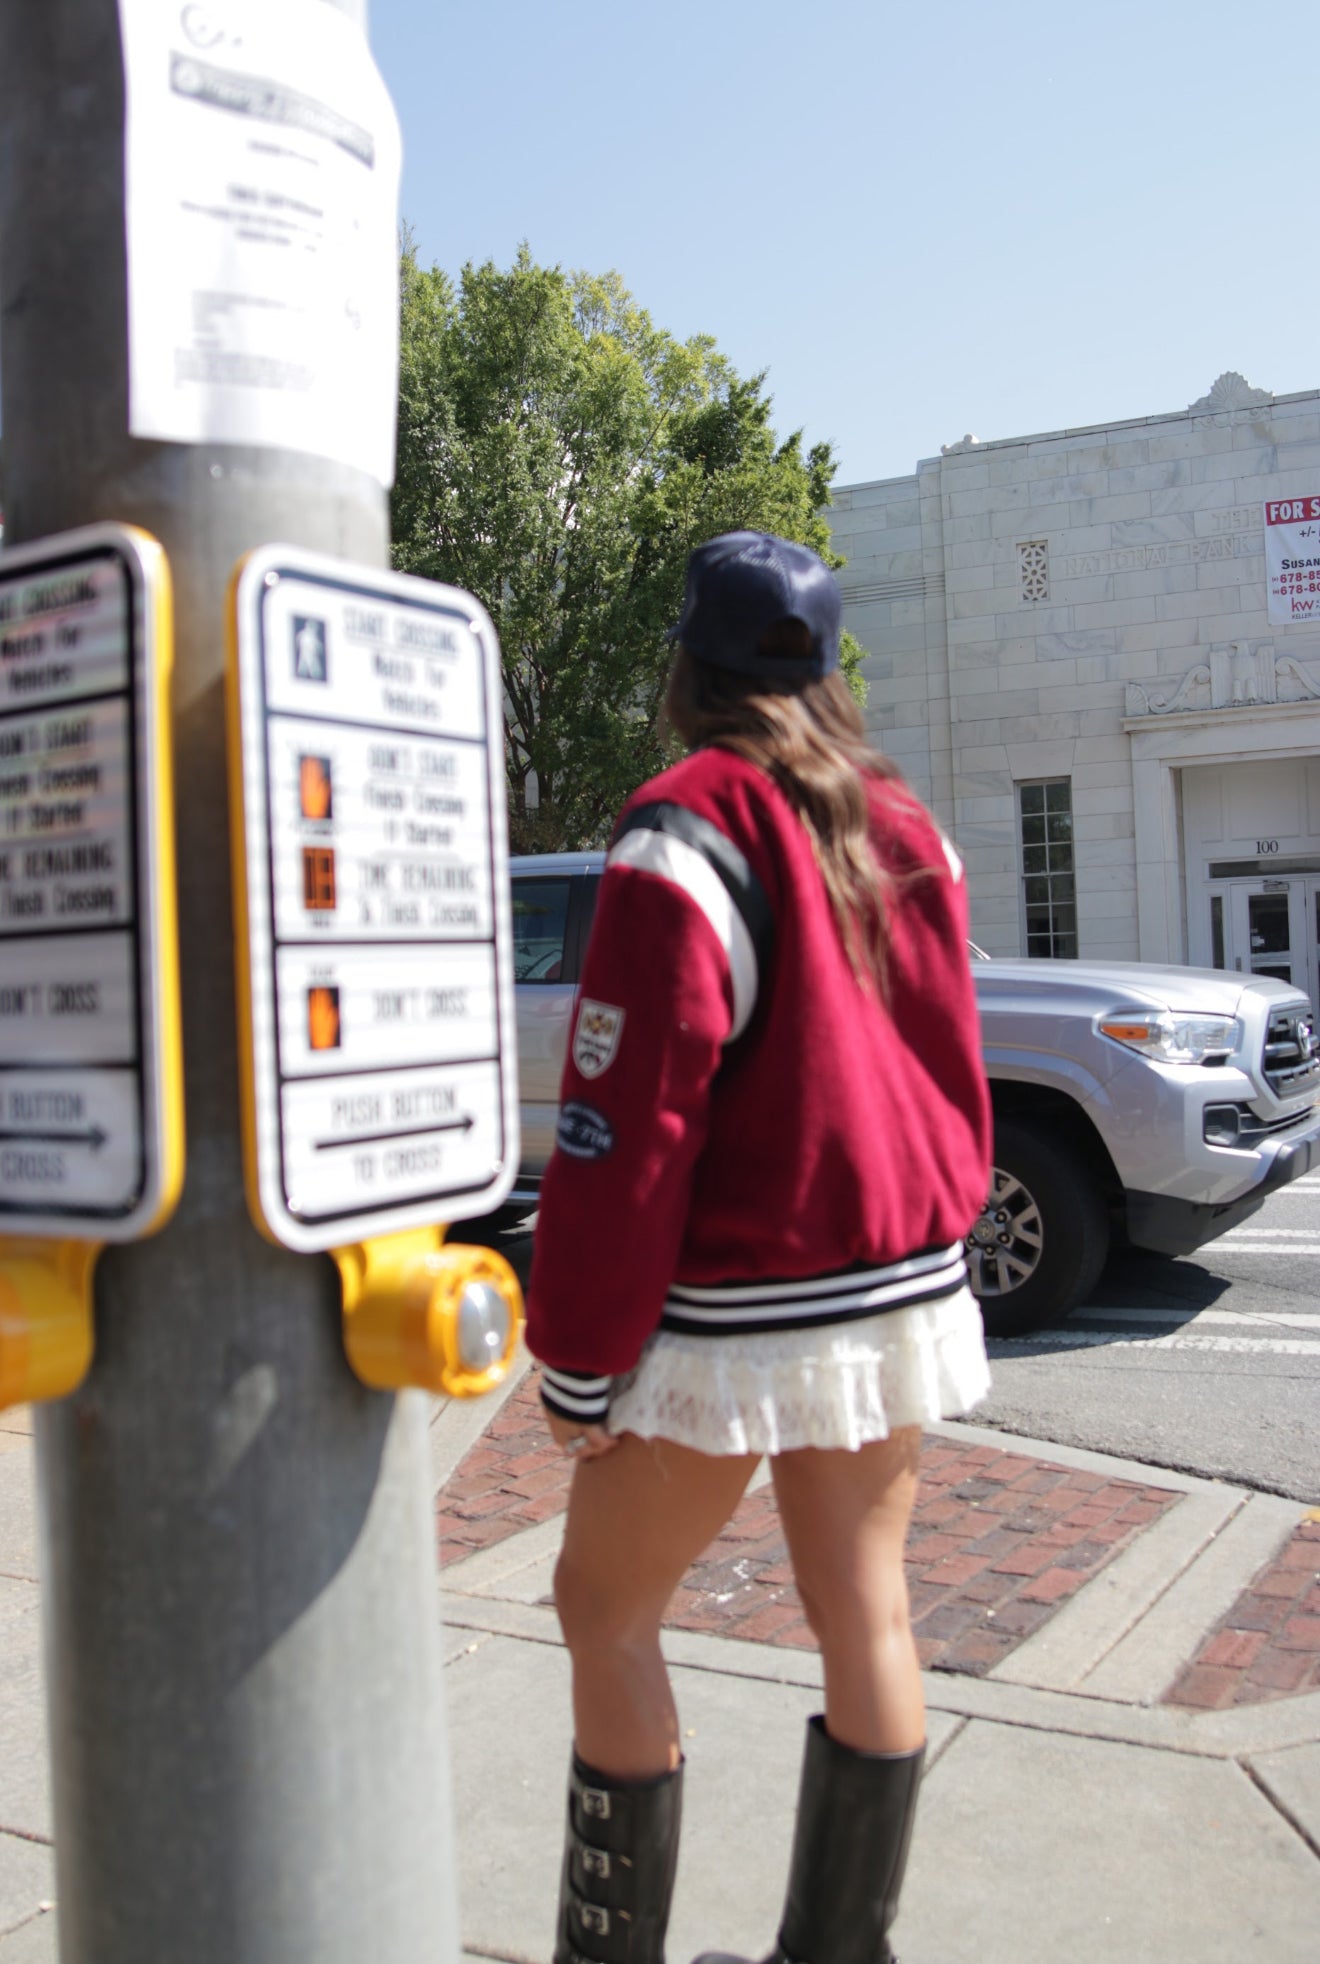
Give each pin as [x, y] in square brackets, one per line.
[1175, 1039]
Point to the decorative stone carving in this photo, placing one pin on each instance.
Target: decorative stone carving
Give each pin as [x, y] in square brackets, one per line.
[1142, 701]
[1241, 674]
[968, 442]
[1307, 681]
[1235, 675]
[1231, 391]
[1034, 569]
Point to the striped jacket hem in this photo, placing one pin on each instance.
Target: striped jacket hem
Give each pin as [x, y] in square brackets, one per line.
[722, 1309]
[757, 1308]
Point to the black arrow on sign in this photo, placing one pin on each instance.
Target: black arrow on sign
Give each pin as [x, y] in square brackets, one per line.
[93, 1137]
[413, 1132]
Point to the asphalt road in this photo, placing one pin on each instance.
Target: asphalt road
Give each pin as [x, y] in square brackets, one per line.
[1210, 1364]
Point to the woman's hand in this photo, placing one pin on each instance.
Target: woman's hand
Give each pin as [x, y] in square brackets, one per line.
[580, 1441]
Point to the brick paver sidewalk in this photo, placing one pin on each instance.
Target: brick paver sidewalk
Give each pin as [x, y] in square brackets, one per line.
[999, 1540]
[1268, 1645]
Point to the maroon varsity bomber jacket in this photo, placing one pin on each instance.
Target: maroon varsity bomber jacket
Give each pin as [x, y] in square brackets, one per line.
[749, 1139]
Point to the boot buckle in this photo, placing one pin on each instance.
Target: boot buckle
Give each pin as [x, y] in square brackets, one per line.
[595, 1861]
[595, 1801]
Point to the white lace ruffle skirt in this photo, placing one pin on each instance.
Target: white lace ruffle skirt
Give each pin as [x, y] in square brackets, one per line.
[833, 1385]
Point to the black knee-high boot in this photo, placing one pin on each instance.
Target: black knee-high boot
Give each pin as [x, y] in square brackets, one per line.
[620, 1855]
[850, 1847]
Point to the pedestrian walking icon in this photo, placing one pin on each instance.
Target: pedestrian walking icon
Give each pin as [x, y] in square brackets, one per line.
[309, 663]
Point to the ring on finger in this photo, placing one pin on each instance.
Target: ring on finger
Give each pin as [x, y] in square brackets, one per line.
[576, 1445]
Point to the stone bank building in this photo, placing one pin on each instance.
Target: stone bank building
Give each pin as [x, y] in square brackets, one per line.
[1091, 652]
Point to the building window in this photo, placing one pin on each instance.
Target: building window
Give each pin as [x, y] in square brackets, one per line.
[1034, 569]
[1049, 888]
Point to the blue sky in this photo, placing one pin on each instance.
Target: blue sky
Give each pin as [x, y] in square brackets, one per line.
[921, 220]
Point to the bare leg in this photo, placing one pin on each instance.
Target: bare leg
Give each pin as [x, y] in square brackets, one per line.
[637, 1518]
[845, 1515]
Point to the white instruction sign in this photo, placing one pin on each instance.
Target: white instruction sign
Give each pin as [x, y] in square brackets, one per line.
[367, 748]
[86, 959]
[262, 164]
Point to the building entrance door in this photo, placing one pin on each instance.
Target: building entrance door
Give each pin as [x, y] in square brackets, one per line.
[1268, 927]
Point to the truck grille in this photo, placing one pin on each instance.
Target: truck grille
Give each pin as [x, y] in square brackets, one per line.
[1292, 1053]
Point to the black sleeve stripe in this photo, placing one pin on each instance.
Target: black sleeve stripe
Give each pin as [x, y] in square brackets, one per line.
[724, 859]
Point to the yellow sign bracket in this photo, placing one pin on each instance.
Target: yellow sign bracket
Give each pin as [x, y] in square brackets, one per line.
[45, 1317]
[420, 1313]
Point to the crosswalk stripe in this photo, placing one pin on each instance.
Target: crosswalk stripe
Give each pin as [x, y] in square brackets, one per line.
[1283, 1320]
[1271, 1234]
[1228, 1246]
[1065, 1339]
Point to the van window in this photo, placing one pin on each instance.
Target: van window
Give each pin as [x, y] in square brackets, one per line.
[540, 927]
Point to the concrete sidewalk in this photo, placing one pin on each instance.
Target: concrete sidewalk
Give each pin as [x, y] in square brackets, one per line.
[1123, 1772]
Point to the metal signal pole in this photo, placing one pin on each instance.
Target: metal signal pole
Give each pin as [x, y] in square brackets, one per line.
[248, 1751]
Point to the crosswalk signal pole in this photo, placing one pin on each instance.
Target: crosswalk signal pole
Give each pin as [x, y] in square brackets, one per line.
[248, 1754]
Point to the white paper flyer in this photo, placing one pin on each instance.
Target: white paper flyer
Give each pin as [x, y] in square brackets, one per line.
[262, 165]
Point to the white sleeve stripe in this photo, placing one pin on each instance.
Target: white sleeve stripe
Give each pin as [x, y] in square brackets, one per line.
[574, 1381]
[588, 1409]
[672, 859]
[951, 854]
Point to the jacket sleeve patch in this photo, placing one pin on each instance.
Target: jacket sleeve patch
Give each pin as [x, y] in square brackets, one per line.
[583, 1132]
[596, 1037]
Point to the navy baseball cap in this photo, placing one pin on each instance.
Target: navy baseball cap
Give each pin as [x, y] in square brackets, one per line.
[745, 582]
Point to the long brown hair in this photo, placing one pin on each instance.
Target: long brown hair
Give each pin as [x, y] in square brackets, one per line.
[810, 739]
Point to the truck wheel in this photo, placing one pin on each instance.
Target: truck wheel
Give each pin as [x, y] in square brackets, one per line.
[1042, 1237]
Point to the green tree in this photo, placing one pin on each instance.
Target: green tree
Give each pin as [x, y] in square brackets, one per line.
[559, 455]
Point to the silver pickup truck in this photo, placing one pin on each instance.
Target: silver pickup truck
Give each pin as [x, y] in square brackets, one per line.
[1158, 1106]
